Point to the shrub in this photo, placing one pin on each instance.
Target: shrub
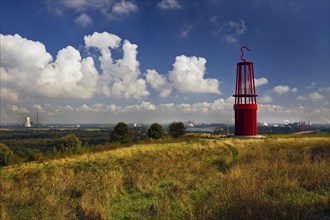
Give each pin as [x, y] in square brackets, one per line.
[6, 155]
[156, 131]
[121, 133]
[69, 143]
[176, 129]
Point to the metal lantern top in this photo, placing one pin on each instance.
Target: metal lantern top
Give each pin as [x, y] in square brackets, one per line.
[245, 92]
[244, 60]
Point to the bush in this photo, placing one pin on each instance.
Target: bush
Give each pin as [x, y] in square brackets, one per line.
[69, 143]
[177, 129]
[121, 133]
[6, 155]
[156, 131]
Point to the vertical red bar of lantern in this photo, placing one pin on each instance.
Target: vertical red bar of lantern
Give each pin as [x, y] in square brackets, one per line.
[254, 87]
[250, 82]
[244, 83]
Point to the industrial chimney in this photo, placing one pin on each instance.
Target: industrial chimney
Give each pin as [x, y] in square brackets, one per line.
[245, 99]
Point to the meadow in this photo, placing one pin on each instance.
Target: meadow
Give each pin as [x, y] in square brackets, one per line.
[279, 177]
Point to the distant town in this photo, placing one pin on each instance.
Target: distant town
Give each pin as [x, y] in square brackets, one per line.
[190, 126]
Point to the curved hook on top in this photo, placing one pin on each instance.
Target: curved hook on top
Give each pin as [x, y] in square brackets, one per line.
[243, 47]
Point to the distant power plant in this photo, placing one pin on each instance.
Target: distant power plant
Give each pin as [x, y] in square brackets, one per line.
[27, 122]
[245, 99]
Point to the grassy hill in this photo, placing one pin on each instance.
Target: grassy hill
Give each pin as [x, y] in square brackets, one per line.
[273, 178]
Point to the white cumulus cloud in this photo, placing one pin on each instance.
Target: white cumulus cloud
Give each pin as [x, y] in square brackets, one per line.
[188, 76]
[122, 77]
[261, 81]
[295, 90]
[27, 67]
[159, 83]
[315, 96]
[281, 89]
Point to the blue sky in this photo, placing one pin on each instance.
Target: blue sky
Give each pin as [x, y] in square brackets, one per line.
[104, 61]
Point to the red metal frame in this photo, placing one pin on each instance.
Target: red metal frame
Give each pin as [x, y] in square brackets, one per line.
[245, 99]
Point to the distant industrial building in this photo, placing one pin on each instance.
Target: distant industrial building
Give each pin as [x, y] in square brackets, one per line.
[27, 122]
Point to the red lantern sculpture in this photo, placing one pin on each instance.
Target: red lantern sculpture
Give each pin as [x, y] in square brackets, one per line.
[245, 99]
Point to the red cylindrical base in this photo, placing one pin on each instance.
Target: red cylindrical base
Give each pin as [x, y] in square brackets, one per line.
[246, 119]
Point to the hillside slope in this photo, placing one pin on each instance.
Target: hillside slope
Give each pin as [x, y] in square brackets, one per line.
[275, 178]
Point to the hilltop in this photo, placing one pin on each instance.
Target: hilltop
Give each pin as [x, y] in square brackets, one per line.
[274, 178]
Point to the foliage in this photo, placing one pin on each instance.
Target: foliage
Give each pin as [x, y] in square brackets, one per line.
[156, 131]
[69, 143]
[6, 155]
[121, 133]
[177, 129]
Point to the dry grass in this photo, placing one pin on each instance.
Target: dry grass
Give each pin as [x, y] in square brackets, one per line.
[275, 178]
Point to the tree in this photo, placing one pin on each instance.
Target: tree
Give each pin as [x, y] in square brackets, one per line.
[156, 131]
[121, 133]
[6, 155]
[69, 143]
[176, 129]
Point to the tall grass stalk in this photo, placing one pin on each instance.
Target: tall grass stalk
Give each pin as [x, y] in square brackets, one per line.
[275, 178]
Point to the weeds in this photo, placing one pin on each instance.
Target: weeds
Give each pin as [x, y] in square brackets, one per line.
[277, 178]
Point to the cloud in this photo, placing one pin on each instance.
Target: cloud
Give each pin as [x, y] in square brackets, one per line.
[311, 85]
[169, 4]
[16, 109]
[187, 76]
[71, 76]
[229, 39]
[38, 108]
[8, 95]
[159, 83]
[120, 78]
[213, 19]
[102, 6]
[315, 96]
[108, 8]
[84, 20]
[278, 109]
[27, 67]
[281, 89]
[124, 7]
[231, 30]
[239, 27]
[99, 108]
[186, 30]
[261, 81]
[301, 98]
[265, 99]
[295, 90]
[324, 89]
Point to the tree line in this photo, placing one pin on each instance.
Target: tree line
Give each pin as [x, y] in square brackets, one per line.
[121, 134]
